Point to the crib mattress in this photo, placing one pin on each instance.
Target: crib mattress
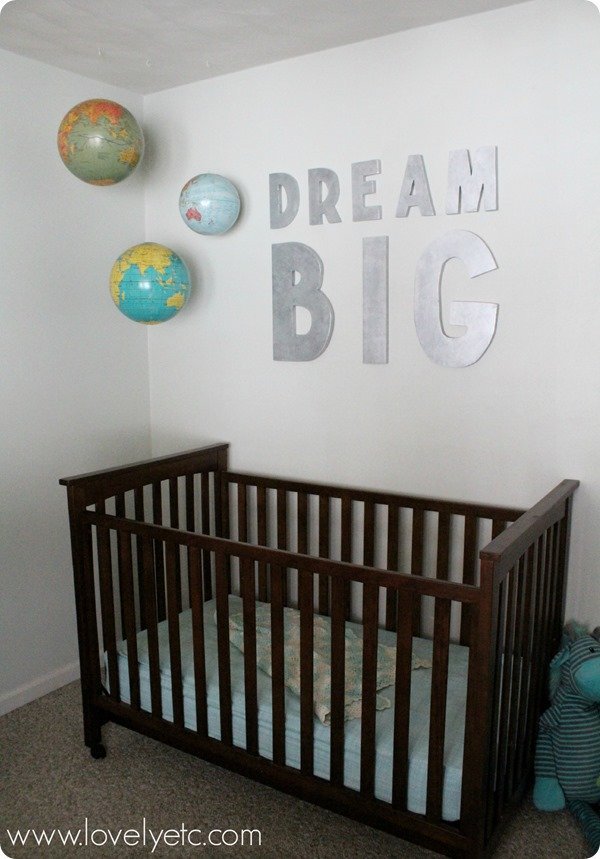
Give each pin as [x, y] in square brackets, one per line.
[419, 712]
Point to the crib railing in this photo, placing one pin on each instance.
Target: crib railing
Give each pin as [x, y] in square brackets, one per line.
[524, 572]
[447, 597]
[324, 550]
[418, 536]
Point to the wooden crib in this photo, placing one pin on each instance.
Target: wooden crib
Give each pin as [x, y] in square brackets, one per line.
[157, 544]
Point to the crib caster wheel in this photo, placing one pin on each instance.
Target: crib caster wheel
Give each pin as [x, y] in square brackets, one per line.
[98, 751]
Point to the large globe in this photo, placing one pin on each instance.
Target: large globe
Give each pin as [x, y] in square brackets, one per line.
[149, 283]
[209, 204]
[100, 142]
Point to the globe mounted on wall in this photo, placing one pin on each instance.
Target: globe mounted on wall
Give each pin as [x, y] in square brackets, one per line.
[149, 283]
[209, 204]
[100, 142]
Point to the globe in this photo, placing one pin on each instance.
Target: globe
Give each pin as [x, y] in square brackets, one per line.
[209, 204]
[100, 142]
[149, 283]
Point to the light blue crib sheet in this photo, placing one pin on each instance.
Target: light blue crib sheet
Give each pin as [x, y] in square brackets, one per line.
[419, 712]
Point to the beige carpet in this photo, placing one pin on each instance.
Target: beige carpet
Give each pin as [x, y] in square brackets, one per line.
[48, 780]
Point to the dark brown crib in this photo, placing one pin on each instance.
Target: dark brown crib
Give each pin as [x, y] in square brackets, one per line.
[154, 542]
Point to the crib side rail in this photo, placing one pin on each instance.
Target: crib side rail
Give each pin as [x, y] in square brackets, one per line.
[95, 489]
[426, 537]
[247, 559]
[523, 586]
[97, 486]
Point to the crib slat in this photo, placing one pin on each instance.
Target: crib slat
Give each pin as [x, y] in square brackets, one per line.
[128, 609]
[537, 671]
[282, 538]
[302, 523]
[516, 695]
[402, 701]
[324, 552]
[277, 670]
[174, 519]
[507, 671]
[346, 547]
[437, 724]
[470, 550]
[173, 502]
[498, 526]
[493, 756]
[174, 642]
[151, 626]
[393, 551]
[469, 575]
[197, 606]
[262, 534]
[281, 519]
[250, 692]
[369, 534]
[222, 595]
[528, 670]
[222, 497]
[338, 659]
[443, 546]
[159, 560]
[205, 512]
[190, 503]
[418, 532]
[138, 506]
[107, 603]
[242, 505]
[556, 603]
[120, 511]
[416, 566]
[305, 600]
[369, 683]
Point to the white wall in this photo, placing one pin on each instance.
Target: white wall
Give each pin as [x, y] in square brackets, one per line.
[73, 370]
[74, 373]
[525, 78]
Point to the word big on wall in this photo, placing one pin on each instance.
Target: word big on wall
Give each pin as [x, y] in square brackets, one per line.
[297, 270]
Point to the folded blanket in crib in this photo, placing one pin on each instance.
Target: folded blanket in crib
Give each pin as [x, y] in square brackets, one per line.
[386, 659]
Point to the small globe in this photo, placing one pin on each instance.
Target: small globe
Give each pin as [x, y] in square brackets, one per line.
[209, 204]
[100, 142]
[149, 283]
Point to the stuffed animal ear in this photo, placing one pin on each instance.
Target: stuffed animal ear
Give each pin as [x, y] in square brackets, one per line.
[596, 633]
[574, 630]
[554, 672]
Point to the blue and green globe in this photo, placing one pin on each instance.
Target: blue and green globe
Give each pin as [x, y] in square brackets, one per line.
[149, 283]
[209, 204]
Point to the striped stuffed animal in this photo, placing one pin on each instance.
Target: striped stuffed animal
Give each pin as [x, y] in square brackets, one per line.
[567, 759]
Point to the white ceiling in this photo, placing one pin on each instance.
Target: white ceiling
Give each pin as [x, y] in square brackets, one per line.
[149, 45]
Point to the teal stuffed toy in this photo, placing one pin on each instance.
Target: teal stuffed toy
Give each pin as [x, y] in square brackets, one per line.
[567, 758]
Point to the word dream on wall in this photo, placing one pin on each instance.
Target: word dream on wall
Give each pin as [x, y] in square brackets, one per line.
[297, 269]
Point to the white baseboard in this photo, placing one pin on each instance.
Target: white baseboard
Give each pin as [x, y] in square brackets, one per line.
[41, 686]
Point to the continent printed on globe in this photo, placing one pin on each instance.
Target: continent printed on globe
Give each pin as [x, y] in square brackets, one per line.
[149, 283]
[100, 142]
[209, 204]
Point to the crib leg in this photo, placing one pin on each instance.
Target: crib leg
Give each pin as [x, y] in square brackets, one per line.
[98, 751]
[92, 732]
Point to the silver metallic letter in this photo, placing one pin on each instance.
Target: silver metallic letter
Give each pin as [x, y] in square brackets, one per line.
[478, 317]
[375, 300]
[415, 189]
[279, 182]
[467, 183]
[362, 188]
[317, 206]
[291, 259]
